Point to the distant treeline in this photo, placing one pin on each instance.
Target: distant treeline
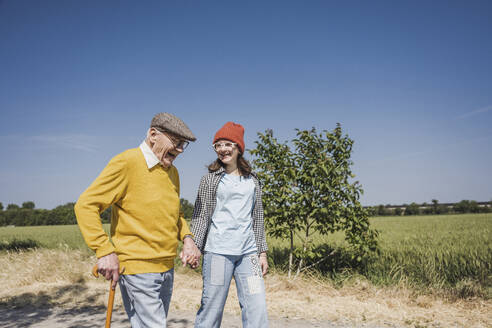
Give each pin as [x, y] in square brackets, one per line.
[465, 206]
[28, 215]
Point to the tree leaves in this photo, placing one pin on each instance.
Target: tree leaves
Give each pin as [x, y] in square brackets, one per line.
[308, 188]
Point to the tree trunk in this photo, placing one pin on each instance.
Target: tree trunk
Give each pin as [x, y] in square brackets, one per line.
[304, 247]
[291, 252]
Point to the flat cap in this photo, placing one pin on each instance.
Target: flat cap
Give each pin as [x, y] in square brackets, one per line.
[166, 122]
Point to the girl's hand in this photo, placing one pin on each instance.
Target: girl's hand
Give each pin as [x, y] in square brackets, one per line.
[190, 253]
[264, 263]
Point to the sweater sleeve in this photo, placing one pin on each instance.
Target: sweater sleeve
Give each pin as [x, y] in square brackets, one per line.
[183, 228]
[108, 188]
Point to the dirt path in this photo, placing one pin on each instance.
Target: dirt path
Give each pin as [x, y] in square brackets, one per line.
[38, 292]
[95, 317]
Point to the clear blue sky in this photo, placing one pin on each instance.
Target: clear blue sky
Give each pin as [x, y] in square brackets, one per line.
[410, 82]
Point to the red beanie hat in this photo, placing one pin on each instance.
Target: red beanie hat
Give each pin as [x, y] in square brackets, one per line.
[233, 132]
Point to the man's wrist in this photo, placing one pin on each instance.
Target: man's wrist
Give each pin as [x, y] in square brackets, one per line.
[190, 236]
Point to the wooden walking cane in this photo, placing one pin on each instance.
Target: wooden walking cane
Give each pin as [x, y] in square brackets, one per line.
[109, 312]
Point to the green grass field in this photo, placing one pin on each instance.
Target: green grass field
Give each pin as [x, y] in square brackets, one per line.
[445, 251]
[47, 236]
[439, 252]
[436, 251]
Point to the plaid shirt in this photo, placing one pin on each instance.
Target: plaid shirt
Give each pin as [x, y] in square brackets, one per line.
[206, 201]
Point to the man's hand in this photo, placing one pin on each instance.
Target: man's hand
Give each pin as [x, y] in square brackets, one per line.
[190, 253]
[264, 263]
[109, 267]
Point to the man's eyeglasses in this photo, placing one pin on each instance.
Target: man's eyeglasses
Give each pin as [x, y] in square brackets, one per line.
[226, 145]
[177, 143]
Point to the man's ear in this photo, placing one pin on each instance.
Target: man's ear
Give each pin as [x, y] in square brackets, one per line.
[151, 135]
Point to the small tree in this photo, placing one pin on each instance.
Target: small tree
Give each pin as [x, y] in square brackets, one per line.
[62, 214]
[412, 209]
[474, 208]
[12, 207]
[307, 190]
[28, 205]
[435, 206]
[462, 207]
[1, 206]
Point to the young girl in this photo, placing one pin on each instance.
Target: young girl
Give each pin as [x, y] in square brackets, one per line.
[229, 229]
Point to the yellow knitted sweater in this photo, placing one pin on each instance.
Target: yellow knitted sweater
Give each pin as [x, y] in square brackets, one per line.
[146, 222]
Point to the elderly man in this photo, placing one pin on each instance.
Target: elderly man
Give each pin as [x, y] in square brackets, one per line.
[142, 185]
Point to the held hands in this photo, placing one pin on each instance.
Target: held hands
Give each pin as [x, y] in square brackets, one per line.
[109, 267]
[190, 253]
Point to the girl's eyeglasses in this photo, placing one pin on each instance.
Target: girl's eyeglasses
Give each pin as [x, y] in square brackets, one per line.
[227, 145]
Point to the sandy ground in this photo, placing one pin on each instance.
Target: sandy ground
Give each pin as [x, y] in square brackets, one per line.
[95, 317]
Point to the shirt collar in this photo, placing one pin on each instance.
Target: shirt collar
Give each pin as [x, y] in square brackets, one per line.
[149, 155]
[219, 171]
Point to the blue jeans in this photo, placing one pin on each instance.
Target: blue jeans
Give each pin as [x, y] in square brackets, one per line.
[146, 297]
[217, 272]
